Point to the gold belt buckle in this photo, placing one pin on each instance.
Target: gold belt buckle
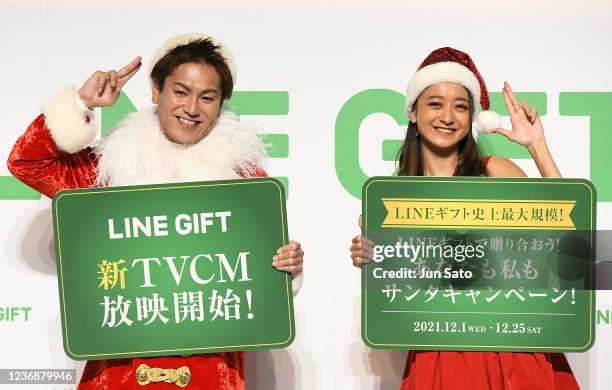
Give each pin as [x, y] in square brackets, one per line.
[180, 377]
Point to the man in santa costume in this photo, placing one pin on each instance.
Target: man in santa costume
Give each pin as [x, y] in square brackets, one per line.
[186, 136]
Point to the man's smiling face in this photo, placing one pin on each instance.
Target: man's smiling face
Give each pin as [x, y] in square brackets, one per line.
[189, 102]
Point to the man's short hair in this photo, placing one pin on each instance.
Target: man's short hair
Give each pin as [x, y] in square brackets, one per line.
[200, 51]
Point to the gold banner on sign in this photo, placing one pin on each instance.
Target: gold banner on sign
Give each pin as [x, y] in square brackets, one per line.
[468, 213]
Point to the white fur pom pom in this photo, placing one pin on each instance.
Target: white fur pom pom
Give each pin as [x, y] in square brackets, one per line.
[487, 121]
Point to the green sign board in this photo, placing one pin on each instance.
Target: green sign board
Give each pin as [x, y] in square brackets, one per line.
[479, 264]
[172, 269]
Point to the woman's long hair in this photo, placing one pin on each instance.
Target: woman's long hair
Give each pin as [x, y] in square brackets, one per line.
[410, 156]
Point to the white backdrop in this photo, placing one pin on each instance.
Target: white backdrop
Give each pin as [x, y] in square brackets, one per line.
[321, 53]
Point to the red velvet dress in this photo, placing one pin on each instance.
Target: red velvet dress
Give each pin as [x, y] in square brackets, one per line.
[449, 370]
[37, 162]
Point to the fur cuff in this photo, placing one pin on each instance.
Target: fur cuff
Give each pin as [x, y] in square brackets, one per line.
[67, 123]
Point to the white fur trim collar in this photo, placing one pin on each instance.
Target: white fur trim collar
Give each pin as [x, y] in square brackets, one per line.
[137, 152]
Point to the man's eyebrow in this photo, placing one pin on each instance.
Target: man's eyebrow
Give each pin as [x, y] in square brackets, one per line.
[181, 85]
[209, 90]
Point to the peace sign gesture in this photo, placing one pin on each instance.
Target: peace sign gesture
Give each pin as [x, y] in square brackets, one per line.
[527, 128]
[102, 88]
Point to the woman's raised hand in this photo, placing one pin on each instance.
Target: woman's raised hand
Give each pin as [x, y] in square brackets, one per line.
[527, 128]
[102, 88]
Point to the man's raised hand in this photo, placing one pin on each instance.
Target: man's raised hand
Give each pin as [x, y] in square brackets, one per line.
[102, 88]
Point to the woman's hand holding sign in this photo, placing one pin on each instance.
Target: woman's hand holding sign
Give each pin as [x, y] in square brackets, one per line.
[362, 249]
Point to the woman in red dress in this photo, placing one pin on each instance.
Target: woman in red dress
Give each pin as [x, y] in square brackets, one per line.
[441, 100]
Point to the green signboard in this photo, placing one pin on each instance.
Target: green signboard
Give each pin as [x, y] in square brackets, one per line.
[479, 264]
[172, 269]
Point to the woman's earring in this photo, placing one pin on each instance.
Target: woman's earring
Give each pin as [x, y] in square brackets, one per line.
[417, 133]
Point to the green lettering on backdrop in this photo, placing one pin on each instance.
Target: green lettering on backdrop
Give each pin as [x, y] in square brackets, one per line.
[350, 117]
[595, 105]
[368, 102]
[242, 103]
[265, 103]
[113, 114]
[603, 317]
[358, 107]
[13, 189]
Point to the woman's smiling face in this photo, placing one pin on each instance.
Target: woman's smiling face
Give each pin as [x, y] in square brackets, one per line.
[442, 115]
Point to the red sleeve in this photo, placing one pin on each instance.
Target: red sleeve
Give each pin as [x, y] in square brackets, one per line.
[37, 162]
[259, 172]
[255, 172]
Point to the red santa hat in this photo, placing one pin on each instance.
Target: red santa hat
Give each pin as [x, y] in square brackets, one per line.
[451, 65]
[184, 39]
